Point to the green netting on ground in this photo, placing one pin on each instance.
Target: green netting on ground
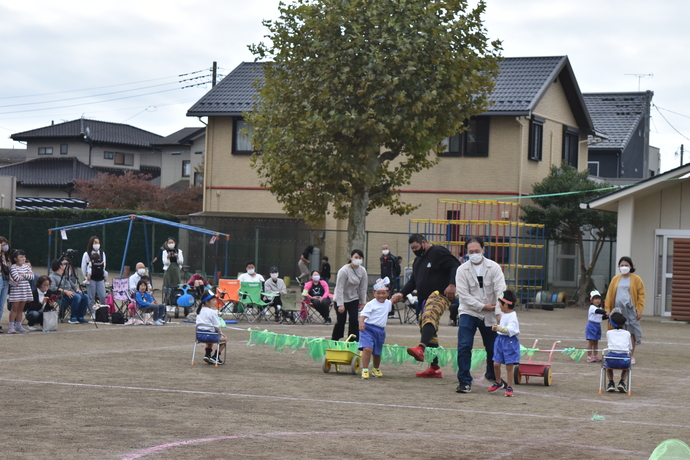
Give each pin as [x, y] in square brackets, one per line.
[671, 449]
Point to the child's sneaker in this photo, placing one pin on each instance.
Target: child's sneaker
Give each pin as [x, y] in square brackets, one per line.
[591, 359]
[20, 329]
[509, 391]
[10, 330]
[622, 387]
[497, 386]
[365, 373]
[376, 372]
[598, 358]
[611, 387]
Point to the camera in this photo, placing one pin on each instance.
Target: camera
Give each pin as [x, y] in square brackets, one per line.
[70, 255]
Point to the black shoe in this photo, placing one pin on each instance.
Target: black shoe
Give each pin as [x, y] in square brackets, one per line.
[490, 377]
[328, 321]
[218, 360]
[622, 387]
[611, 387]
[464, 388]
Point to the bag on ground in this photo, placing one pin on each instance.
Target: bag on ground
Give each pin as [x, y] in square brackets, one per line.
[50, 320]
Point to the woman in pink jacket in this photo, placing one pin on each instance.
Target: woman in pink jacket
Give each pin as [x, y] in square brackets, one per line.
[317, 292]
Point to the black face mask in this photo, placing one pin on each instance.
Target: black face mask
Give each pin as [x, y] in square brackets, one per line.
[419, 252]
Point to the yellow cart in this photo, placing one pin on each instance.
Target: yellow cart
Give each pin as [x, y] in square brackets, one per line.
[339, 358]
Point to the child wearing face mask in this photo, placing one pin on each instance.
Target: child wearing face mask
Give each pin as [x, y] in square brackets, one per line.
[316, 291]
[275, 285]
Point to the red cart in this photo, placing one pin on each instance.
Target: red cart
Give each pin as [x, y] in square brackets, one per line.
[531, 368]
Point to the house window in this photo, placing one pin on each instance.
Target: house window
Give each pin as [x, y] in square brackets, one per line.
[242, 137]
[198, 153]
[45, 150]
[124, 159]
[185, 168]
[473, 142]
[536, 138]
[198, 179]
[571, 146]
[108, 155]
[63, 149]
[593, 168]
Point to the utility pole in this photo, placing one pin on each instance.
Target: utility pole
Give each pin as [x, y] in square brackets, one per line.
[215, 71]
[681, 154]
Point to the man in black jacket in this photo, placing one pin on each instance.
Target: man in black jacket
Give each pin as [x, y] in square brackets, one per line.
[433, 269]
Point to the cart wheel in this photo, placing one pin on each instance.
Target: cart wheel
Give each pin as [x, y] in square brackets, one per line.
[325, 365]
[354, 365]
[517, 376]
[548, 376]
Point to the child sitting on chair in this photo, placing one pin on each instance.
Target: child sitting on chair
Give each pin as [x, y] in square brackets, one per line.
[618, 357]
[593, 329]
[145, 300]
[207, 321]
[507, 344]
[372, 321]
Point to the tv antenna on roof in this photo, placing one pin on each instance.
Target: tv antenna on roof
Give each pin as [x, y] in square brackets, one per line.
[640, 76]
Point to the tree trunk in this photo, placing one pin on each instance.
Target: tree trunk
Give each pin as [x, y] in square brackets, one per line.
[585, 275]
[356, 221]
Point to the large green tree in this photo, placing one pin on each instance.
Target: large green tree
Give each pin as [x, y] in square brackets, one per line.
[566, 222]
[358, 96]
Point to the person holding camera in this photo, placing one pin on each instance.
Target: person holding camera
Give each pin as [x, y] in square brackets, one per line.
[172, 260]
[65, 283]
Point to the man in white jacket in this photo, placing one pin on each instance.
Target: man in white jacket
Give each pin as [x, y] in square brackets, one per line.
[479, 282]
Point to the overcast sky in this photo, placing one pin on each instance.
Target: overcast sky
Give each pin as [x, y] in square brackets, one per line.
[121, 61]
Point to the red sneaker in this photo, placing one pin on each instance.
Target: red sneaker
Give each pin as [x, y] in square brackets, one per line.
[416, 352]
[430, 373]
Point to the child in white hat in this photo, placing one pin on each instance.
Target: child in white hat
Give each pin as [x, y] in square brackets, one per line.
[593, 330]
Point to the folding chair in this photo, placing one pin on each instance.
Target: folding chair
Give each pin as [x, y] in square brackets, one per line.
[310, 314]
[410, 312]
[612, 366]
[140, 313]
[228, 299]
[250, 297]
[81, 279]
[122, 296]
[208, 337]
[396, 311]
[291, 308]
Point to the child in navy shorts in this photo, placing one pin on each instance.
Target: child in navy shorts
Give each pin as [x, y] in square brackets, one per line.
[593, 330]
[372, 321]
[507, 345]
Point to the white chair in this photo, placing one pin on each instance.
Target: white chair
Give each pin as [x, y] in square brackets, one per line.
[606, 366]
[208, 337]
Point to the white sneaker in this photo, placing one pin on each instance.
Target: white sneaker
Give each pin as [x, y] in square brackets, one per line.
[158, 323]
[32, 328]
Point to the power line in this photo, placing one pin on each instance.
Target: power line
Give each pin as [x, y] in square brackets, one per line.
[676, 113]
[669, 123]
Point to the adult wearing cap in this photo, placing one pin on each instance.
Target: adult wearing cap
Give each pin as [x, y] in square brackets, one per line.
[207, 322]
[626, 294]
[276, 286]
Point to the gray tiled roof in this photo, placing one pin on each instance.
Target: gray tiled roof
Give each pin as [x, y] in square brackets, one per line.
[183, 136]
[616, 115]
[49, 171]
[521, 84]
[101, 132]
[232, 95]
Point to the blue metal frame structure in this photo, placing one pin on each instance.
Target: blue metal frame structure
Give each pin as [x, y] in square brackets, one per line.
[132, 218]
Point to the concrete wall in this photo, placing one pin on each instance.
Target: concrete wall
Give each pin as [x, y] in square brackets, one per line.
[197, 154]
[171, 165]
[8, 192]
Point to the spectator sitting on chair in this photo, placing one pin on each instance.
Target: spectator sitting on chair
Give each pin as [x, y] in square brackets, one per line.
[67, 286]
[251, 275]
[34, 310]
[319, 296]
[138, 273]
[145, 300]
[275, 285]
[197, 280]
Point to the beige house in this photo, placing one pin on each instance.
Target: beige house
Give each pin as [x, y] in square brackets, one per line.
[654, 230]
[538, 118]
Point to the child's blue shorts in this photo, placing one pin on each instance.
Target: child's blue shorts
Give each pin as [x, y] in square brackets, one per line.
[372, 337]
[207, 337]
[507, 349]
[623, 363]
[593, 331]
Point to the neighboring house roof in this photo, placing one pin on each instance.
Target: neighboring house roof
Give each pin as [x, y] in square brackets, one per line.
[153, 171]
[520, 85]
[179, 186]
[25, 204]
[12, 155]
[100, 132]
[609, 202]
[616, 115]
[49, 171]
[185, 136]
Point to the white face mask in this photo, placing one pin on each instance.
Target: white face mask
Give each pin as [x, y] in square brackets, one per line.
[274, 276]
[385, 252]
[141, 271]
[316, 278]
[476, 258]
[250, 271]
[356, 262]
[624, 269]
[5, 248]
[171, 246]
[96, 247]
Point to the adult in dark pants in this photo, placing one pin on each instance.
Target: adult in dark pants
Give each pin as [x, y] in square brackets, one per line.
[389, 269]
[433, 269]
[350, 294]
[479, 282]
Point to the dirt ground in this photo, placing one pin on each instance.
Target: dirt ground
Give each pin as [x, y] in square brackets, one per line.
[125, 392]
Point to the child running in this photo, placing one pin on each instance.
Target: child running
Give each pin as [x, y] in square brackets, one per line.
[593, 329]
[372, 321]
[507, 344]
[620, 344]
[207, 321]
